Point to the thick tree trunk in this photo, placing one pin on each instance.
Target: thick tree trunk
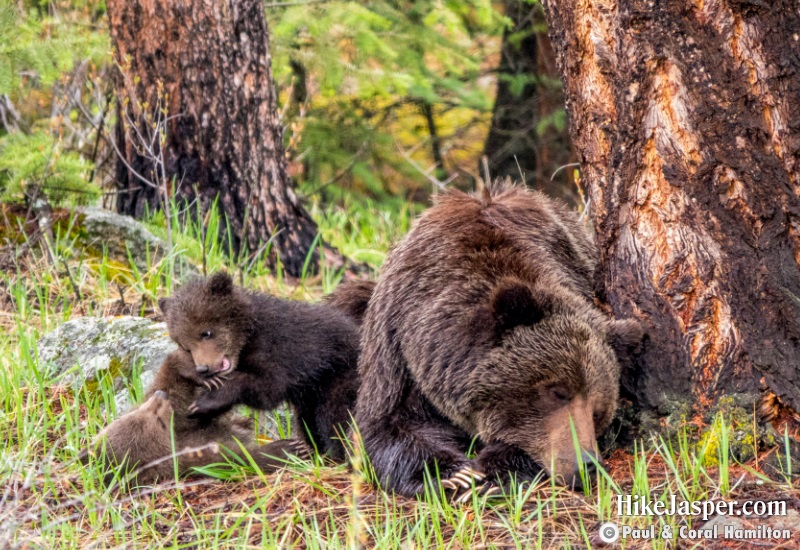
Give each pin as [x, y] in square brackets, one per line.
[516, 146]
[686, 119]
[203, 70]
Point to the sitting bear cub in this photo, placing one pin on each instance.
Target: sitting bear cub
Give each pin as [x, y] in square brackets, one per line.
[483, 326]
[257, 350]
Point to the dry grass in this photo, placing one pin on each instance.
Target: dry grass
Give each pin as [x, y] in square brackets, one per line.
[310, 507]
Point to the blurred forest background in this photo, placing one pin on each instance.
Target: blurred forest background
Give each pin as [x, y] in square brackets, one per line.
[380, 100]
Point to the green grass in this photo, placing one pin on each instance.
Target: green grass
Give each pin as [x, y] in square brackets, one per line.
[48, 499]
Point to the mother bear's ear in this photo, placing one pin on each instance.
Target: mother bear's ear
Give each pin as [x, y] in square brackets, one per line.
[515, 304]
[626, 338]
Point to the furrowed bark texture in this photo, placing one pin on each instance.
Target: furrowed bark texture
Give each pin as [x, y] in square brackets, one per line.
[207, 65]
[686, 119]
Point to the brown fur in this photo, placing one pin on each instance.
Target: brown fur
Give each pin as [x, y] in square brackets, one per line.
[483, 324]
[142, 440]
[351, 297]
[261, 351]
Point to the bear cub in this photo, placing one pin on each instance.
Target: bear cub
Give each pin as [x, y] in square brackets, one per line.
[141, 441]
[254, 349]
[483, 326]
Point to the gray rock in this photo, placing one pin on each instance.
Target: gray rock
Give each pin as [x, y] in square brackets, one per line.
[82, 351]
[123, 239]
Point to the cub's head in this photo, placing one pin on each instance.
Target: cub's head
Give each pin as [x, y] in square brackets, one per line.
[137, 439]
[550, 382]
[211, 319]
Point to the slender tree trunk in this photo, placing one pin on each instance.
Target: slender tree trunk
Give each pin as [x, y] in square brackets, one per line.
[436, 142]
[296, 110]
[686, 119]
[518, 145]
[200, 72]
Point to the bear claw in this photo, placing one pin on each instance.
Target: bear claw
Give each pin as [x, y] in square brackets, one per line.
[462, 479]
[215, 382]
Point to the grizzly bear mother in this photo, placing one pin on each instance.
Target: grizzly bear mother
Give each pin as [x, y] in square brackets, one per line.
[483, 330]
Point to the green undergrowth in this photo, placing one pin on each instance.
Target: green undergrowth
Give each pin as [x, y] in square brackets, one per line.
[49, 500]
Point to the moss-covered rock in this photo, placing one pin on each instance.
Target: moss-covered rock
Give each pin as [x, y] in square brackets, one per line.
[105, 346]
[120, 236]
[731, 418]
[122, 239]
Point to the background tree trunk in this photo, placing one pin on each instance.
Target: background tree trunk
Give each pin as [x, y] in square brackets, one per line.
[206, 66]
[436, 143]
[524, 136]
[686, 119]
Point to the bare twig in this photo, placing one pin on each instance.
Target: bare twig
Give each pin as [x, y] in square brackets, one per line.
[441, 185]
[485, 163]
[586, 209]
[99, 136]
[344, 171]
[560, 168]
[521, 172]
[261, 249]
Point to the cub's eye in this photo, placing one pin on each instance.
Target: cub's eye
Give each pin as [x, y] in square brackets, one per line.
[560, 394]
[206, 335]
[598, 416]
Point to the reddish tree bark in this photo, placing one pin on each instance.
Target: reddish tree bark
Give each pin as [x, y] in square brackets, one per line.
[207, 64]
[686, 120]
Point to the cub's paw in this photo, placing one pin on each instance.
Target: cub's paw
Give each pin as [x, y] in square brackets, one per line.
[214, 382]
[209, 452]
[195, 411]
[205, 405]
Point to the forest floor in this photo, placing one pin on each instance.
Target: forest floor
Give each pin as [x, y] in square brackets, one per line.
[49, 500]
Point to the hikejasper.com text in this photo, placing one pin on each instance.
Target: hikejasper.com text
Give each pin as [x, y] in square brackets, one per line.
[630, 505]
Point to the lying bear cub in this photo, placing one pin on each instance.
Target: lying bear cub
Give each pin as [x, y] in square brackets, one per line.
[483, 325]
[141, 441]
[257, 350]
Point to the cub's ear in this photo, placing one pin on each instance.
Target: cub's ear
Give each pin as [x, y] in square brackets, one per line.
[515, 304]
[220, 283]
[626, 338]
[163, 304]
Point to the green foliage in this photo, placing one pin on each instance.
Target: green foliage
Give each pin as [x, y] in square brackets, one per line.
[36, 48]
[40, 43]
[383, 48]
[38, 160]
[557, 120]
[367, 67]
